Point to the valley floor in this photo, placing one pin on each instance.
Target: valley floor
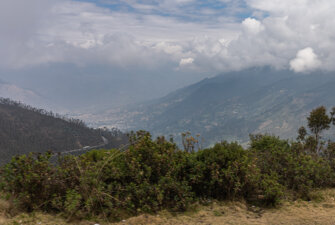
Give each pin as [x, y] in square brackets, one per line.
[299, 212]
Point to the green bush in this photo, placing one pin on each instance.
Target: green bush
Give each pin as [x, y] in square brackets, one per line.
[152, 175]
[271, 190]
[30, 179]
[224, 172]
[293, 168]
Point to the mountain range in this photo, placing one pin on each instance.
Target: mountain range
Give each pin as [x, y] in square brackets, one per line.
[230, 106]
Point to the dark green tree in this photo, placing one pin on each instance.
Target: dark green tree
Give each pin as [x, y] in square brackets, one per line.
[332, 116]
[318, 121]
[302, 134]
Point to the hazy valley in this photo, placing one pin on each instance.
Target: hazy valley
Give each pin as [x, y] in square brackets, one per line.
[229, 106]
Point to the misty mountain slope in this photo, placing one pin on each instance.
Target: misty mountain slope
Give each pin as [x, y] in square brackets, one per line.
[24, 129]
[90, 88]
[30, 97]
[231, 106]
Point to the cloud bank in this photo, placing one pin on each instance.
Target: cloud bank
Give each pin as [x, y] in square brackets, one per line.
[222, 36]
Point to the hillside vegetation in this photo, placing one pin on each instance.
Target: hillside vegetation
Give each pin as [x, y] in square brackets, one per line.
[154, 175]
[319, 211]
[231, 106]
[25, 129]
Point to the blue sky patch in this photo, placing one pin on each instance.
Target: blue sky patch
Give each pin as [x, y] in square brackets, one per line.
[194, 11]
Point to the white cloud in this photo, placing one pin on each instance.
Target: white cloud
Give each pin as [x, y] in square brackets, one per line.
[186, 61]
[306, 60]
[252, 25]
[83, 33]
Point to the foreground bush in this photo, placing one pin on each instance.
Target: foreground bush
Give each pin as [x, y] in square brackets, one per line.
[148, 177]
[152, 175]
[224, 171]
[293, 168]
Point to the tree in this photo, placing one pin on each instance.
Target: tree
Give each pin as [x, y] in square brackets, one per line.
[302, 133]
[318, 120]
[190, 143]
[332, 115]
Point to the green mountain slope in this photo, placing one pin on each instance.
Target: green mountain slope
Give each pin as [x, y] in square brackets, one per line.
[231, 106]
[25, 129]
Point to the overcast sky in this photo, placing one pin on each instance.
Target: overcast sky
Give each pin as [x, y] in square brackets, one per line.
[175, 37]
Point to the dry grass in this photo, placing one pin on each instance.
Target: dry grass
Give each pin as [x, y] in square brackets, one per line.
[319, 211]
[42, 219]
[238, 213]
[4, 206]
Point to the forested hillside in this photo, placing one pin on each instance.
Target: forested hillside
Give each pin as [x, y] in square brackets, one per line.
[152, 175]
[26, 129]
[231, 106]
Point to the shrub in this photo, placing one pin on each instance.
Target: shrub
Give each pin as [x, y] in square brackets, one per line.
[292, 167]
[271, 191]
[222, 171]
[227, 171]
[29, 179]
[152, 175]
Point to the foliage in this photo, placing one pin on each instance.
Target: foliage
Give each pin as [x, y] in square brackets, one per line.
[29, 179]
[302, 132]
[190, 143]
[152, 175]
[318, 120]
[292, 167]
[224, 171]
[148, 177]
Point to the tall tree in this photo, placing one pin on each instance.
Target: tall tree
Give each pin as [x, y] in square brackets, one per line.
[302, 134]
[332, 115]
[318, 120]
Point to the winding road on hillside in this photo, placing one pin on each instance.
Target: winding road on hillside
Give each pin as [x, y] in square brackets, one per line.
[84, 149]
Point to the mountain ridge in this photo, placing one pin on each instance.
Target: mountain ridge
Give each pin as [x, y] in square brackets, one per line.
[231, 106]
[25, 129]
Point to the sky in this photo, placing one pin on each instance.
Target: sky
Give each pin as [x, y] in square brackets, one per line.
[159, 45]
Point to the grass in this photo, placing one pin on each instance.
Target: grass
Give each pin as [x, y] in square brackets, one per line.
[320, 210]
